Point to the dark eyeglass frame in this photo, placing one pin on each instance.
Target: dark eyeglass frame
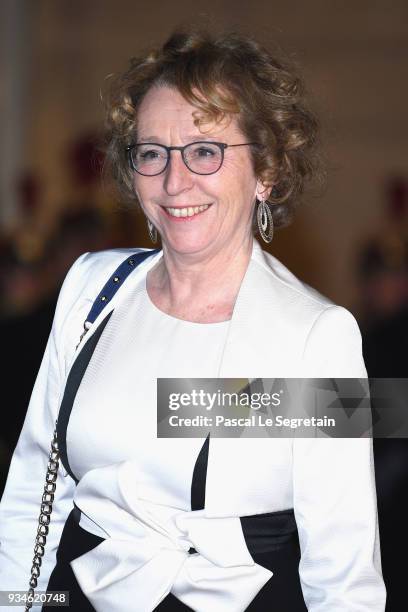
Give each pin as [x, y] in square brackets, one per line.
[221, 145]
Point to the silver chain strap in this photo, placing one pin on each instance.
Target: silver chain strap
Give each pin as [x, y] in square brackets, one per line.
[44, 518]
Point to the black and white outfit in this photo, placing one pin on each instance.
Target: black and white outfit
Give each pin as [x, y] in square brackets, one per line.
[192, 524]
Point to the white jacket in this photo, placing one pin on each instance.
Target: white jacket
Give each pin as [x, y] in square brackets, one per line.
[280, 328]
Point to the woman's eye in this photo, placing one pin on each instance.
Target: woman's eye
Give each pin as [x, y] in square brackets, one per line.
[148, 155]
[204, 152]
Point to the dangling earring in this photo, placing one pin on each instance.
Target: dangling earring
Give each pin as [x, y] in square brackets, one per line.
[152, 231]
[265, 220]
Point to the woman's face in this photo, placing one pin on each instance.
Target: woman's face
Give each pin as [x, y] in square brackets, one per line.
[165, 117]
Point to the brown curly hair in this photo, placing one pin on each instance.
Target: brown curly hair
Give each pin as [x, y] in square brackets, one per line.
[224, 75]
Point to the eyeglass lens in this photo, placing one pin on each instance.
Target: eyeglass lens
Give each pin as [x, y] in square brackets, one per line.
[199, 157]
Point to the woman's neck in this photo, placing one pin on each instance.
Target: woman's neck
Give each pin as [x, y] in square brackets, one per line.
[199, 289]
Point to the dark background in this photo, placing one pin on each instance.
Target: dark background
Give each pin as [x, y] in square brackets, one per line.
[351, 243]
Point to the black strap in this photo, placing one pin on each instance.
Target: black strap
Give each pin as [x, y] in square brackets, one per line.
[71, 388]
[115, 281]
[83, 358]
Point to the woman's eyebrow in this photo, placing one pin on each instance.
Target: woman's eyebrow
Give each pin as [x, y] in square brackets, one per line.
[189, 138]
[148, 139]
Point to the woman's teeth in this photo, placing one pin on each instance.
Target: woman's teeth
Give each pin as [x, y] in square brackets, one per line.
[189, 211]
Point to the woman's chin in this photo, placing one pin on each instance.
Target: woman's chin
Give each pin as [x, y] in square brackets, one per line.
[188, 244]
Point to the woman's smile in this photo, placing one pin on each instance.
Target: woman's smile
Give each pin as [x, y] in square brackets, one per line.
[185, 212]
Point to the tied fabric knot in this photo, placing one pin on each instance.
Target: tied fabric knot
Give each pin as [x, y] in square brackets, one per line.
[145, 554]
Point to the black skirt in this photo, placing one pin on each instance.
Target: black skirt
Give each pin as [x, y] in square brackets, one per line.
[271, 539]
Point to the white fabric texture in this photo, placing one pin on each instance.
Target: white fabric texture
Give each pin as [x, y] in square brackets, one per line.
[146, 554]
[280, 327]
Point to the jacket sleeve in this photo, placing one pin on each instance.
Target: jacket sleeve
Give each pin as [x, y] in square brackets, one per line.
[334, 489]
[20, 505]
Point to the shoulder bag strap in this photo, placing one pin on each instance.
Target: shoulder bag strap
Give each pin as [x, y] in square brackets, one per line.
[110, 288]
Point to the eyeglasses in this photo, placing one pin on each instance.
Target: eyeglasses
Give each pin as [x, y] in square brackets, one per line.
[151, 159]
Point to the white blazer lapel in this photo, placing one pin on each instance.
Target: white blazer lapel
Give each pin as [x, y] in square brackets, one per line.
[262, 340]
[261, 343]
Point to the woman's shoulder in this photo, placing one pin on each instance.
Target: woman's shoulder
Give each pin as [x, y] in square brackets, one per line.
[93, 268]
[290, 287]
[295, 298]
[306, 318]
[82, 284]
[296, 304]
[91, 271]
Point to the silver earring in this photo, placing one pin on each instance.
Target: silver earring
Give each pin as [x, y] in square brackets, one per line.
[152, 231]
[265, 221]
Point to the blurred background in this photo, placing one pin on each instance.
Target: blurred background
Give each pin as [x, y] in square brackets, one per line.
[351, 243]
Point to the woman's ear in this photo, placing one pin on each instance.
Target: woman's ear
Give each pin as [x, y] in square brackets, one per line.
[263, 192]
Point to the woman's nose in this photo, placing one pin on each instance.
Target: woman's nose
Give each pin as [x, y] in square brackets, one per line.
[178, 177]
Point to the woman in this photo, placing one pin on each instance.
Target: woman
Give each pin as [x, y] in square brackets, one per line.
[203, 133]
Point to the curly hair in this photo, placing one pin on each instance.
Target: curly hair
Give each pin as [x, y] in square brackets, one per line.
[227, 75]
